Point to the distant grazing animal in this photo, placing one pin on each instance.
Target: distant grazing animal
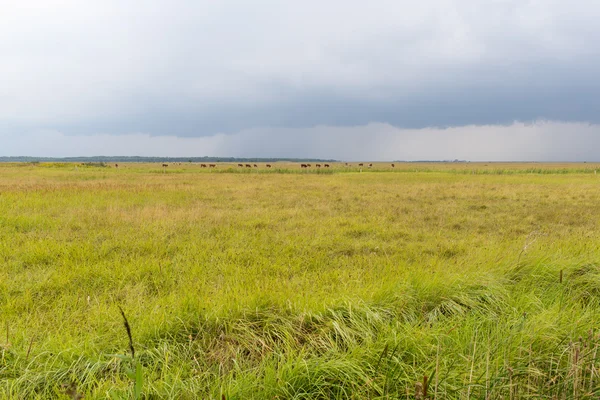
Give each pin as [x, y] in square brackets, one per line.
[326, 165]
[393, 166]
[308, 165]
[303, 166]
[370, 165]
[212, 165]
[241, 165]
[202, 165]
[346, 164]
[360, 165]
[318, 165]
[116, 165]
[248, 166]
[255, 166]
[165, 165]
[268, 165]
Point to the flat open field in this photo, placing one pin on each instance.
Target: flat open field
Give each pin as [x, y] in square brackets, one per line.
[458, 280]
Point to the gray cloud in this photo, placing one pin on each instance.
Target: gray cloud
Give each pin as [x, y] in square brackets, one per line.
[539, 141]
[190, 69]
[200, 68]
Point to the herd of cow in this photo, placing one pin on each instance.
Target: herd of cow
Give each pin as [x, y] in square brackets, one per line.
[269, 165]
[316, 165]
[250, 166]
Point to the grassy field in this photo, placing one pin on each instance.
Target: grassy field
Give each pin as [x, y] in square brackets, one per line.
[420, 281]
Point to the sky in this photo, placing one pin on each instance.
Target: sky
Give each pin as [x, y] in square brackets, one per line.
[494, 80]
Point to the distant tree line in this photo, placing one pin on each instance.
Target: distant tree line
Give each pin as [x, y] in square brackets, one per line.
[137, 159]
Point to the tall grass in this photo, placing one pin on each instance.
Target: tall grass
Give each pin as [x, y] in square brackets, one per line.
[270, 285]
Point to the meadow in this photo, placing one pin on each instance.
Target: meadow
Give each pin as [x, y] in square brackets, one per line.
[423, 281]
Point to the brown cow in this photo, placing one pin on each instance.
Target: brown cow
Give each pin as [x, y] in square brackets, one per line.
[360, 165]
[303, 166]
[165, 165]
[202, 165]
[255, 166]
[116, 165]
[268, 165]
[393, 166]
[248, 166]
[326, 165]
[212, 165]
[241, 165]
[308, 165]
[370, 165]
[318, 165]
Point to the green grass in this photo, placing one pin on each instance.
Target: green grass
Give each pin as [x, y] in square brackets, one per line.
[285, 283]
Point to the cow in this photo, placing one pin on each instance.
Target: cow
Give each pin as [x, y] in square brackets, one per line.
[241, 165]
[202, 165]
[212, 165]
[318, 165]
[248, 166]
[165, 165]
[303, 166]
[326, 165]
[116, 165]
[360, 165]
[393, 166]
[255, 166]
[268, 165]
[308, 165]
[370, 165]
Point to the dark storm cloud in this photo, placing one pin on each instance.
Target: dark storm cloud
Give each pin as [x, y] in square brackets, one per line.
[539, 141]
[205, 68]
[442, 108]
